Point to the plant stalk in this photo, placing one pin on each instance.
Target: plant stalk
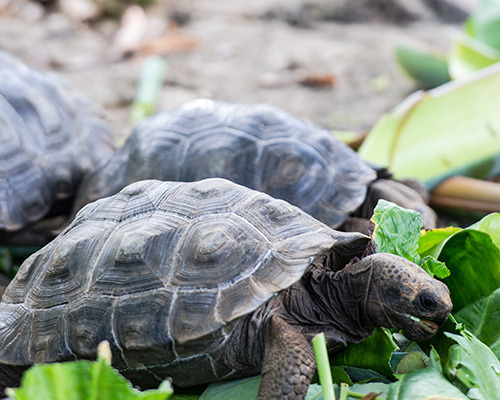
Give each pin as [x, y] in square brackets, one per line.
[324, 372]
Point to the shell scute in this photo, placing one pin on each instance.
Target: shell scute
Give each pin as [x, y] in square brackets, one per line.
[88, 322]
[16, 333]
[221, 158]
[195, 324]
[48, 332]
[127, 269]
[142, 329]
[215, 251]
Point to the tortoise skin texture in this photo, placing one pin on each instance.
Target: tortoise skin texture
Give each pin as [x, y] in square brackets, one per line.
[206, 281]
[257, 146]
[49, 142]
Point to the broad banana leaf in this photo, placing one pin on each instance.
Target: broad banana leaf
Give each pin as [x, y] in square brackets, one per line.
[452, 129]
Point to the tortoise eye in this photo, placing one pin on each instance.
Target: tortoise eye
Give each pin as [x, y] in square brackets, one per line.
[427, 302]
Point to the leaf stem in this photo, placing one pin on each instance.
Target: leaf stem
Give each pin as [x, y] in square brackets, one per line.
[148, 88]
[325, 375]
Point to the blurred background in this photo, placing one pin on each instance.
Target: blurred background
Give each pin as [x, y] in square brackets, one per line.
[329, 61]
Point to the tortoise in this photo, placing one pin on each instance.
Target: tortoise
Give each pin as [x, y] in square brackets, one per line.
[258, 146]
[49, 141]
[205, 281]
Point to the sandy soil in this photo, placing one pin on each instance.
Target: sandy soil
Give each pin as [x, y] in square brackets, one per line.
[259, 51]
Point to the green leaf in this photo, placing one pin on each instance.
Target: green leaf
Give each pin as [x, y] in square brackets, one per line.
[425, 66]
[431, 241]
[454, 128]
[469, 55]
[474, 262]
[484, 23]
[244, 389]
[55, 382]
[372, 387]
[423, 384]
[482, 318]
[315, 392]
[434, 267]
[397, 230]
[475, 366]
[339, 375]
[81, 380]
[490, 225]
[412, 361]
[470, 254]
[363, 375]
[372, 353]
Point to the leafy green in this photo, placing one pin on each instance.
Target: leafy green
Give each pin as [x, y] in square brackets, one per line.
[482, 318]
[431, 241]
[469, 55]
[315, 392]
[448, 130]
[434, 267]
[373, 353]
[339, 375]
[425, 66]
[372, 387]
[473, 364]
[246, 388]
[484, 23]
[490, 224]
[424, 383]
[82, 380]
[474, 262]
[397, 231]
[420, 384]
[412, 361]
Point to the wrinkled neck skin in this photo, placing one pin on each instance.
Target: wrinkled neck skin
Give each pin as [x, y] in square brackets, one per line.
[322, 301]
[333, 303]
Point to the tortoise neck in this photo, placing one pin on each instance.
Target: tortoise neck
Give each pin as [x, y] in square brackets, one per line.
[334, 303]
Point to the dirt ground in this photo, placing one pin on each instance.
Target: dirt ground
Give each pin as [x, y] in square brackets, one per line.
[259, 51]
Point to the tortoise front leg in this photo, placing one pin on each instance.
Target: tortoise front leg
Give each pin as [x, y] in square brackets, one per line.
[289, 362]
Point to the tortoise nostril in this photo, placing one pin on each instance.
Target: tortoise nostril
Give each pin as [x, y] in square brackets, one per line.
[427, 302]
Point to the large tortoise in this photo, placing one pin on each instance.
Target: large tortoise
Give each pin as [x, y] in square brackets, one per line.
[206, 281]
[257, 146]
[49, 140]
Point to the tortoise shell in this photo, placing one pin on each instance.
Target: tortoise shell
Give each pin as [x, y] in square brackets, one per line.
[49, 141]
[257, 146]
[162, 270]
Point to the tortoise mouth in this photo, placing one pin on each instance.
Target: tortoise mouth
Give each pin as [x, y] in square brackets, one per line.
[426, 325]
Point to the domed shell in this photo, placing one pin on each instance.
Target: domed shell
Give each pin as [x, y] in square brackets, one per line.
[161, 270]
[49, 142]
[257, 146]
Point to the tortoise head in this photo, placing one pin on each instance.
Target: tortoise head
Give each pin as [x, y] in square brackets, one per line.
[401, 295]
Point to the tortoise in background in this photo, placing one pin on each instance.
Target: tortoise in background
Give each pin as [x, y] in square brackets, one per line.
[206, 281]
[257, 146]
[49, 140]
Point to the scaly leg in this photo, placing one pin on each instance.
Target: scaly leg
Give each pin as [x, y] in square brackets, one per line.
[289, 362]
